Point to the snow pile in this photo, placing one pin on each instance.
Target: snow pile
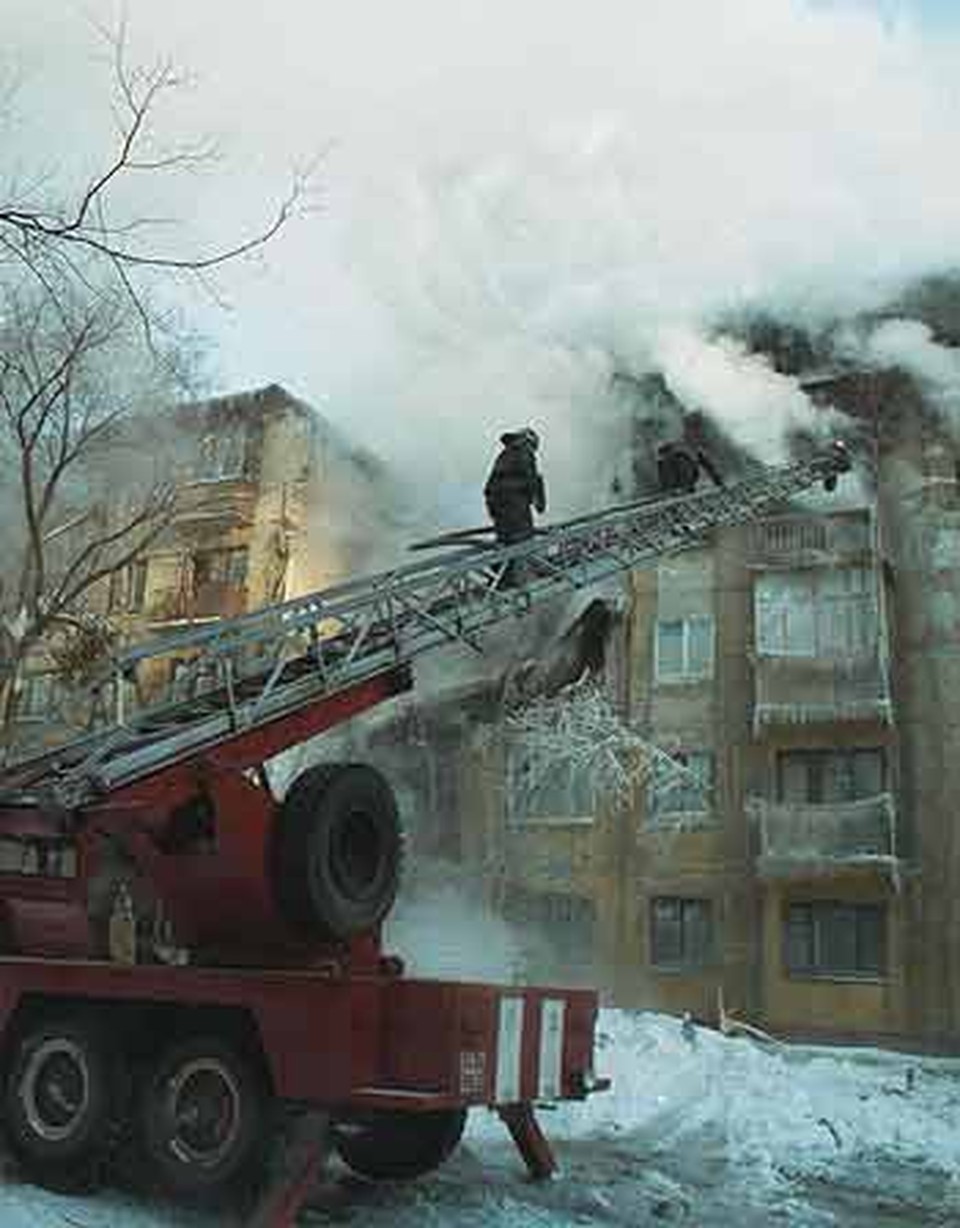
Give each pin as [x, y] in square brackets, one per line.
[797, 1109]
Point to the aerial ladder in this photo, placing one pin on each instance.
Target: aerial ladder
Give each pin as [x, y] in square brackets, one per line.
[353, 643]
[260, 917]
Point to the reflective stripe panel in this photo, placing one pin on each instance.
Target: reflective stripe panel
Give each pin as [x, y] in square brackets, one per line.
[509, 1037]
[552, 1012]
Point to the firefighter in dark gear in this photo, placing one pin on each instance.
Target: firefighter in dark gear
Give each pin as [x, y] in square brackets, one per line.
[679, 467]
[515, 487]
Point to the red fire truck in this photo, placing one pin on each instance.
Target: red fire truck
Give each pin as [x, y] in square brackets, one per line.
[182, 953]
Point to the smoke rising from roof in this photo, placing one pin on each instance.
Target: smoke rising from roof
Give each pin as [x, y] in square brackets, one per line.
[909, 345]
[520, 204]
[798, 160]
[756, 404]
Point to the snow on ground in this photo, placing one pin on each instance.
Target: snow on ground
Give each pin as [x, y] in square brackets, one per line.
[697, 1128]
[798, 1105]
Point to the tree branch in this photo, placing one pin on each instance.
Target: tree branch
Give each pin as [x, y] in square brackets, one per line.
[67, 593]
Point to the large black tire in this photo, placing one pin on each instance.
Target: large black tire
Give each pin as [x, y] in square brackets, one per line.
[337, 851]
[60, 1100]
[201, 1119]
[393, 1146]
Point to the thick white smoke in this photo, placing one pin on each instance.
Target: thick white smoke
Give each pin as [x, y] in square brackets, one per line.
[720, 377]
[909, 345]
[794, 158]
[523, 199]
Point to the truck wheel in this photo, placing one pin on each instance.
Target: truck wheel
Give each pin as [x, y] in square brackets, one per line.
[201, 1118]
[60, 1099]
[337, 851]
[392, 1146]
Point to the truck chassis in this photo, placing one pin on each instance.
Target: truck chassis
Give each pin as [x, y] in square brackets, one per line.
[192, 1063]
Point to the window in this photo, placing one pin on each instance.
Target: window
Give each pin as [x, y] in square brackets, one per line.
[819, 777]
[684, 647]
[681, 932]
[221, 456]
[128, 588]
[568, 920]
[674, 792]
[816, 613]
[227, 567]
[832, 938]
[542, 785]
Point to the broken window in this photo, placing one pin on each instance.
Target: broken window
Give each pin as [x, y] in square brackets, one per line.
[835, 939]
[681, 932]
[817, 613]
[543, 785]
[819, 777]
[684, 648]
[671, 792]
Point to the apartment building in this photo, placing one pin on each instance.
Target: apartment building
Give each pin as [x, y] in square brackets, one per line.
[270, 502]
[803, 870]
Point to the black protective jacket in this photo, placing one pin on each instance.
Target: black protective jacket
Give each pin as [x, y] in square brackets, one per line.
[514, 480]
[679, 467]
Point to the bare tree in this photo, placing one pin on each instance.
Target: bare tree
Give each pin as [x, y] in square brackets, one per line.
[82, 350]
[85, 237]
[74, 380]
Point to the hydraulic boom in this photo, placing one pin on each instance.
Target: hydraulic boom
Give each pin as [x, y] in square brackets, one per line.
[246, 673]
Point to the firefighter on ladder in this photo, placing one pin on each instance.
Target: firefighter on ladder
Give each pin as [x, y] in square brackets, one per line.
[513, 489]
[679, 467]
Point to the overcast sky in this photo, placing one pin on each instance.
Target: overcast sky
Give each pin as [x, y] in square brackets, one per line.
[518, 196]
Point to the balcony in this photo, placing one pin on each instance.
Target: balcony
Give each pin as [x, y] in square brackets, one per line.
[820, 690]
[807, 838]
[805, 541]
[227, 503]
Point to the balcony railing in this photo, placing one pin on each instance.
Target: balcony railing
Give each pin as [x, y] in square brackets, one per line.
[807, 539]
[818, 690]
[229, 502]
[807, 837]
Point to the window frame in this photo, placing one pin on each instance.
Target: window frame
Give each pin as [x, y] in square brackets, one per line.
[822, 912]
[687, 959]
[656, 815]
[686, 673]
[817, 594]
[818, 758]
[569, 916]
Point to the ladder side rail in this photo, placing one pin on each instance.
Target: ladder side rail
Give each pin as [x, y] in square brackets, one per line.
[402, 612]
[344, 599]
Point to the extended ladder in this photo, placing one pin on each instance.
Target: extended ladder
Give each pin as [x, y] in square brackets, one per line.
[243, 672]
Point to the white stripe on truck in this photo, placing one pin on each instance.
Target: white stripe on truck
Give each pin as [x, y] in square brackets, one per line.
[552, 1012]
[509, 1038]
